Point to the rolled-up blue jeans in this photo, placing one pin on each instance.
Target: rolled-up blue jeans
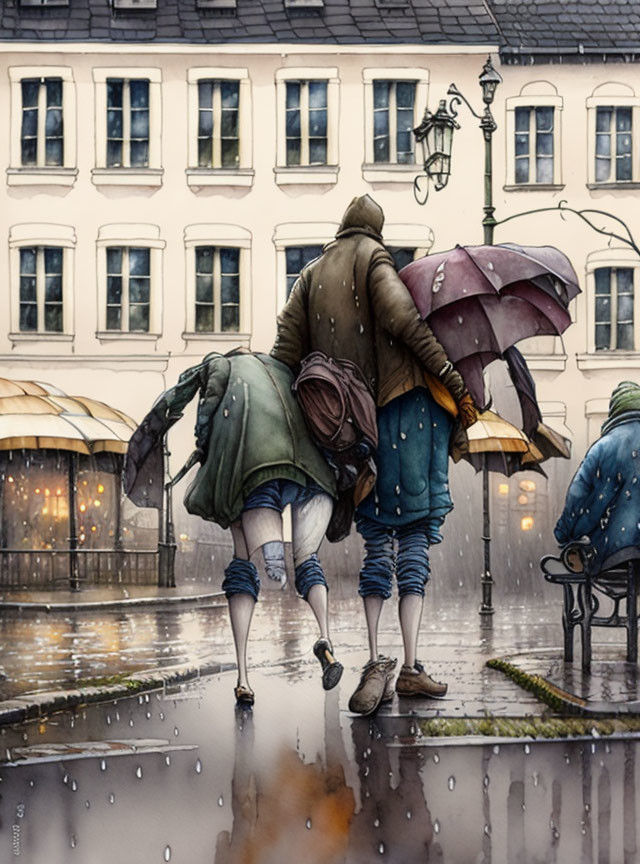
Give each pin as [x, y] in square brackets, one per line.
[410, 563]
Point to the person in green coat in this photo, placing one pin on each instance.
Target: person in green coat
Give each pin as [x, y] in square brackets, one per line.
[256, 456]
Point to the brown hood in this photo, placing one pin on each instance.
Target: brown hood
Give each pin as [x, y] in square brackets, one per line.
[362, 216]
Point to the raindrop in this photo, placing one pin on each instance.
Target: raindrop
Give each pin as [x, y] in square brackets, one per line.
[198, 767]
[451, 782]
[365, 773]
[487, 830]
[496, 749]
[527, 749]
[381, 848]
[74, 786]
[376, 823]
[112, 798]
[161, 715]
[32, 783]
[436, 827]
[148, 715]
[65, 779]
[175, 731]
[408, 814]
[436, 758]
[139, 772]
[308, 824]
[103, 765]
[87, 804]
[167, 760]
[73, 841]
[220, 801]
[167, 853]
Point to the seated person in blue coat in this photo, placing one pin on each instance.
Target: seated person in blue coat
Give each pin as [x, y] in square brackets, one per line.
[603, 500]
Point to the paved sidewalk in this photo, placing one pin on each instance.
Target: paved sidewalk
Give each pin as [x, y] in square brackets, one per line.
[108, 597]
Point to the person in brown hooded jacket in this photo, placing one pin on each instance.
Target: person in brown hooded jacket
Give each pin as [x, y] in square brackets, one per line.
[351, 304]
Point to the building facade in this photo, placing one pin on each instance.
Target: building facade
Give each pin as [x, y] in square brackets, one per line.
[169, 169]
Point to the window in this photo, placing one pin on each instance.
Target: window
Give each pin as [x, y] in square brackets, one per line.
[297, 258]
[534, 145]
[402, 255]
[41, 289]
[219, 127]
[394, 99]
[307, 145]
[127, 123]
[129, 282]
[43, 138]
[41, 3]
[614, 141]
[41, 272]
[217, 289]
[533, 131]
[614, 307]
[613, 113]
[128, 127]
[128, 288]
[393, 121]
[41, 135]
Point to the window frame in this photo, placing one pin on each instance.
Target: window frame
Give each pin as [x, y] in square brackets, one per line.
[243, 174]
[42, 235]
[219, 236]
[532, 100]
[41, 174]
[612, 357]
[150, 175]
[621, 100]
[130, 235]
[391, 172]
[307, 174]
[288, 234]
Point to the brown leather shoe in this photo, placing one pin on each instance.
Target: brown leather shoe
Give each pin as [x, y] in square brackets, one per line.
[373, 683]
[414, 681]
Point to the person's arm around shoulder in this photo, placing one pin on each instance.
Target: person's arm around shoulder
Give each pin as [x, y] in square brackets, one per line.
[292, 339]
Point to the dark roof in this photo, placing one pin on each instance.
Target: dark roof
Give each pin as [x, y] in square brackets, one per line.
[526, 31]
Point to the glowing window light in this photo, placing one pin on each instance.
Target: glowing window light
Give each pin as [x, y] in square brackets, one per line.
[100, 488]
[93, 528]
[503, 488]
[527, 485]
[523, 499]
[83, 507]
[47, 491]
[37, 491]
[58, 491]
[96, 503]
[526, 523]
[10, 479]
[45, 511]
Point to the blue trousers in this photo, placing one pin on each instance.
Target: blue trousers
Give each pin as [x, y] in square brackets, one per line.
[411, 563]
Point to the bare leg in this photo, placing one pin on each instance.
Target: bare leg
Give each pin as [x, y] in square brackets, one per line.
[317, 598]
[372, 610]
[410, 614]
[241, 612]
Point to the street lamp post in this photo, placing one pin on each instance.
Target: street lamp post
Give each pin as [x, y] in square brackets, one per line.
[435, 133]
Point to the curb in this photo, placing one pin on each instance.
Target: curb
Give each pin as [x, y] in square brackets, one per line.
[122, 603]
[35, 706]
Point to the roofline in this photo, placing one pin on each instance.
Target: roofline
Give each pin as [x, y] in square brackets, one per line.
[521, 50]
[282, 48]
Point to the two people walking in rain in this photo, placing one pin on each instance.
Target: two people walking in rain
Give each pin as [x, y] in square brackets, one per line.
[350, 417]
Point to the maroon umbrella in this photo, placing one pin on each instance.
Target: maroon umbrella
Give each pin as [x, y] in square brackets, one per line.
[481, 300]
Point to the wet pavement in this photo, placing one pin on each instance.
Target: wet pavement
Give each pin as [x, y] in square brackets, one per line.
[179, 776]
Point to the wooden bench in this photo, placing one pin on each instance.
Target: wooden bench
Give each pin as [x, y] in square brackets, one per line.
[585, 587]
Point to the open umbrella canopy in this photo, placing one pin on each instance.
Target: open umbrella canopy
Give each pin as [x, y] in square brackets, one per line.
[501, 445]
[35, 415]
[481, 300]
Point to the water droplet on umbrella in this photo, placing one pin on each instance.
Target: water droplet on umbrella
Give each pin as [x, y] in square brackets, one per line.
[175, 731]
[460, 319]
[112, 798]
[73, 841]
[381, 848]
[376, 823]
[436, 827]
[408, 814]
[167, 760]
[308, 824]
[436, 758]
[139, 772]
[198, 767]
[220, 801]
[167, 853]
[74, 786]
[451, 782]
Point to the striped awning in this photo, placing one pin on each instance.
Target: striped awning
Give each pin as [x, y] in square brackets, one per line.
[36, 416]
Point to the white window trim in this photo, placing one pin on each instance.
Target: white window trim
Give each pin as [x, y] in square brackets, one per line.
[531, 100]
[420, 237]
[42, 234]
[49, 175]
[130, 235]
[297, 234]
[391, 172]
[613, 358]
[242, 175]
[307, 174]
[217, 235]
[101, 175]
[621, 101]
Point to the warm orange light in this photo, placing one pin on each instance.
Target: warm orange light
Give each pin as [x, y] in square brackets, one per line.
[93, 528]
[10, 479]
[45, 511]
[503, 488]
[82, 538]
[83, 507]
[58, 491]
[96, 503]
[100, 488]
[527, 485]
[526, 523]
[84, 482]
[47, 492]
[522, 499]
[37, 491]
[184, 536]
